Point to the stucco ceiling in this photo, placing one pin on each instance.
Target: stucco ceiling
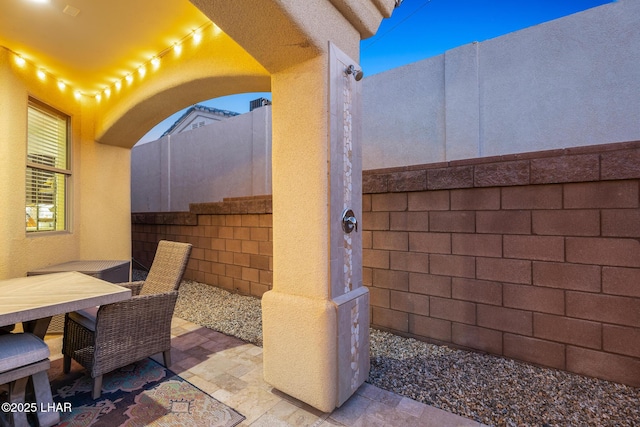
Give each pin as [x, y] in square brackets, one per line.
[106, 40]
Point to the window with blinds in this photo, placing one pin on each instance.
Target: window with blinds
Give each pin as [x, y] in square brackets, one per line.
[48, 169]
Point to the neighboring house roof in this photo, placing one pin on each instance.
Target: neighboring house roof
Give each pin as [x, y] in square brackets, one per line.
[210, 111]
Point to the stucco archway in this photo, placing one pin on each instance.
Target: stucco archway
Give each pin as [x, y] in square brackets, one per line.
[218, 66]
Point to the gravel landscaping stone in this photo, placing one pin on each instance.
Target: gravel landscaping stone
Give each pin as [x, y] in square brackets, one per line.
[489, 389]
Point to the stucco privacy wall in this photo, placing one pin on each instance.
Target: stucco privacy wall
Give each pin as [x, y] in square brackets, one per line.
[229, 158]
[98, 222]
[570, 81]
[532, 256]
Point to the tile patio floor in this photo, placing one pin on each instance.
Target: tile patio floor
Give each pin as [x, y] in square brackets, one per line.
[230, 370]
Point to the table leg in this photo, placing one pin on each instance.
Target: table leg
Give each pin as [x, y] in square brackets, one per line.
[47, 413]
[17, 392]
[37, 327]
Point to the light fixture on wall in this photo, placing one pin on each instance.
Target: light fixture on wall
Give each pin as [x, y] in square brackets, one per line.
[357, 74]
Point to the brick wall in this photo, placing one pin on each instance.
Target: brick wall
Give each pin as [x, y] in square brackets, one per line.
[532, 256]
[232, 242]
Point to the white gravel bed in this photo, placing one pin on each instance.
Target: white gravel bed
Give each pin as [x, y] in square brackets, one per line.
[489, 389]
[495, 390]
[217, 309]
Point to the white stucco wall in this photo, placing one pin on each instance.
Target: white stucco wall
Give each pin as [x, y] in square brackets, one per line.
[230, 158]
[568, 82]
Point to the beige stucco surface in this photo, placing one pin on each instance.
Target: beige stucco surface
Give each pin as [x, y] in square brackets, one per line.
[98, 221]
[299, 324]
[302, 347]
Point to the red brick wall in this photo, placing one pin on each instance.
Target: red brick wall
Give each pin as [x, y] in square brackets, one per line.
[232, 242]
[532, 256]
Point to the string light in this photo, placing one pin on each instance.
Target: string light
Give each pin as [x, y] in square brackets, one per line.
[197, 36]
[155, 62]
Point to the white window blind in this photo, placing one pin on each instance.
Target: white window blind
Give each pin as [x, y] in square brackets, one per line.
[47, 168]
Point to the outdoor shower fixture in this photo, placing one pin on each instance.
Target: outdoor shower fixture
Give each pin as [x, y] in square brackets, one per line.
[349, 221]
[357, 74]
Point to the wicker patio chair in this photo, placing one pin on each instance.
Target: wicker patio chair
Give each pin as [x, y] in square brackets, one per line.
[111, 336]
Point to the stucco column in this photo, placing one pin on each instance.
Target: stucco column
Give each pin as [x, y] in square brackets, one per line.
[299, 328]
[315, 319]
[315, 325]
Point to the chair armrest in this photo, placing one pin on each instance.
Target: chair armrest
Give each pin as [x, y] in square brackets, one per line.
[138, 315]
[134, 286]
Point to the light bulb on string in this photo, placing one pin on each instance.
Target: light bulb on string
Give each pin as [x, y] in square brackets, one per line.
[197, 36]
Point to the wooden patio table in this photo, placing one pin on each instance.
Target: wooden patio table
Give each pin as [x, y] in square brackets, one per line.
[33, 300]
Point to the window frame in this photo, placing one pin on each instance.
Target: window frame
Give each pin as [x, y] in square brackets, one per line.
[44, 169]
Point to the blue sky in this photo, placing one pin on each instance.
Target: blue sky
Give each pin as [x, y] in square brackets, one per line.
[420, 29]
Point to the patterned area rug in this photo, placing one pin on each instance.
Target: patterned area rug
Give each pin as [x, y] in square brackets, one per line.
[141, 394]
